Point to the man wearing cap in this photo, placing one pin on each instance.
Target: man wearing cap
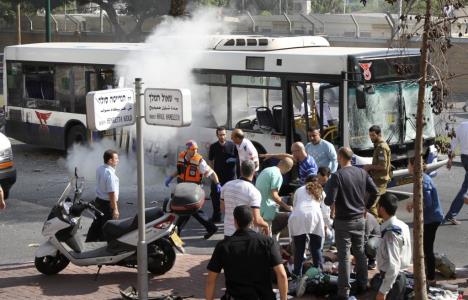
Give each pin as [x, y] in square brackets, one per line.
[191, 167]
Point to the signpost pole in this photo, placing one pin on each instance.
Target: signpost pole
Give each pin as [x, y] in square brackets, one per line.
[142, 249]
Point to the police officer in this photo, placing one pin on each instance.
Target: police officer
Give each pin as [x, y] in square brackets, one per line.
[191, 167]
[380, 168]
[107, 195]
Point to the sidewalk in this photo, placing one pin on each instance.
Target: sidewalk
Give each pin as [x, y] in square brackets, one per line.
[187, 278]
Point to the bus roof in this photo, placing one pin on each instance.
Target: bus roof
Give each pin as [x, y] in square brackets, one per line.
[306, 59]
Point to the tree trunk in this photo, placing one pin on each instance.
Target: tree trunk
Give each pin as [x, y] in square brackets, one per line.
[418, 220]
[178, 8]
[118, 31]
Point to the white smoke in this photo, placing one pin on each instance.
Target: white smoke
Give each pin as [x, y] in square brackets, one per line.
[173, 49]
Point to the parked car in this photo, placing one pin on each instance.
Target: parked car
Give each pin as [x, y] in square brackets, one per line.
[7, 168]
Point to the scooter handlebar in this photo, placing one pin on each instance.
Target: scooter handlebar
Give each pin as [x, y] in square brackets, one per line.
[92, 207]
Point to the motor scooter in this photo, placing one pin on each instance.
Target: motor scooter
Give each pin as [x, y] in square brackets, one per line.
[64, 245]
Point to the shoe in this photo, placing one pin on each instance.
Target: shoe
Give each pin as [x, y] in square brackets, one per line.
[210, 233]
[452, 221]
[371, 265]
[301, 286]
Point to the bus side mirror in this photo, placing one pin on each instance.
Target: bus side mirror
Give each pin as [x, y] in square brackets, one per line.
[360, 97]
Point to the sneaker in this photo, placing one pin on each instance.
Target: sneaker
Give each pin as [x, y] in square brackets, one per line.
[452, 221]
[301, 286]
[210, 233]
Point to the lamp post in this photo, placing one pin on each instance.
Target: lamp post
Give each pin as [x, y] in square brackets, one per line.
[47, 22]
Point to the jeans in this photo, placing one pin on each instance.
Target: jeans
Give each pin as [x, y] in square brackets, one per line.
[457, 203]
[350, 234]
[429, 237]
[315, 248]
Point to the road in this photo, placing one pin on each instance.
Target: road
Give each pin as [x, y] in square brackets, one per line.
[42, 176]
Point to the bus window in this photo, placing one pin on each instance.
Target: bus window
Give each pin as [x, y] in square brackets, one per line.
[329, 104]
[254, 101]
[211, 106]
[63, 88]
[246, 101]
[39, 87]
[15, 84]
[382, 108]
[410, 98]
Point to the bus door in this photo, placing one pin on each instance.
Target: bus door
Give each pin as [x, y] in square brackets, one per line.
[310, 101]
[302, 102]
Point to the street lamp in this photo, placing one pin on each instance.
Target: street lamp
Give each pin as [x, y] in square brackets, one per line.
[47, 22]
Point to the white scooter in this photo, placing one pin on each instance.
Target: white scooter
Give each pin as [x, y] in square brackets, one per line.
[64, 245]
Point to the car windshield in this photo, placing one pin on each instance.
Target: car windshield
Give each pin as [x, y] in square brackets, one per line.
[384, 108]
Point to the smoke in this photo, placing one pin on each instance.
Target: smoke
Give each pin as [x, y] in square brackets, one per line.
[172, 50]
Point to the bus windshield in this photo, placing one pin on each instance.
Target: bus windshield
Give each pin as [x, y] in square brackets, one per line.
[392, 106]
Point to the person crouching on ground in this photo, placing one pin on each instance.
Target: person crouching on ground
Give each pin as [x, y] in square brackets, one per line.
[306, 221]
[394, 252]
[433, 217]
[248, 259]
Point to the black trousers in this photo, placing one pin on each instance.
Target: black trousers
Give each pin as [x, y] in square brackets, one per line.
[200, 217]
[215, 201]
[398, 290]
[429, 237]
[95, 231]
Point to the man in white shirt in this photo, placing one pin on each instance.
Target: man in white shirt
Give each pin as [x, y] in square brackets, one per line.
[394, 252]
[461, 139]
[241, 192]
[107, 195]
[245, 148]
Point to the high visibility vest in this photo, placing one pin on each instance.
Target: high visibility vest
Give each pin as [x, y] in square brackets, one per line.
[188, 170]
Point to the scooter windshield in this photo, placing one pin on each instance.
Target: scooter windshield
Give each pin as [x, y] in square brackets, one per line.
[73, 189]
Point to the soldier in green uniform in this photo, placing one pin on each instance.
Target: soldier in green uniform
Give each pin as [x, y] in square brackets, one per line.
[380, 169]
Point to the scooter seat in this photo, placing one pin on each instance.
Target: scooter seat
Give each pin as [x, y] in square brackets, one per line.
[114, 229]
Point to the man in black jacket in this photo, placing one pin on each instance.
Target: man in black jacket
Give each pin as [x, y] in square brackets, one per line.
[248, 259]
[347, 189]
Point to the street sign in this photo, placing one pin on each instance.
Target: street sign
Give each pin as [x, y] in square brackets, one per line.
[168, 107]
[108, 109]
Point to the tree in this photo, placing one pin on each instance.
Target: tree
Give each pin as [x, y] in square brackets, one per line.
[434, 72]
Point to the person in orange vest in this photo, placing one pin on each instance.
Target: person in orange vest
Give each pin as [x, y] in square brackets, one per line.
[191, 167]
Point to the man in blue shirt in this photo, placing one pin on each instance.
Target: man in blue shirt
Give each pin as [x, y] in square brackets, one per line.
[305, 163]
[107, 195]
[321, 150]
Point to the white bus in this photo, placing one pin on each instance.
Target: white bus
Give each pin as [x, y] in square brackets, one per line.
[272, 88]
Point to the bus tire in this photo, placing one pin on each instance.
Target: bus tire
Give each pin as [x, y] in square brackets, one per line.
[76, 135]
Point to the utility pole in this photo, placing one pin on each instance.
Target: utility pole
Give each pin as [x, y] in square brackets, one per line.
[47, 22]
[18, 24]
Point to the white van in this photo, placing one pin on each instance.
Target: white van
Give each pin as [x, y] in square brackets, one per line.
[7, 168]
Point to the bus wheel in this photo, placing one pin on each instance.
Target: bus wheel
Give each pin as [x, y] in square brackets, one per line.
[76, 135]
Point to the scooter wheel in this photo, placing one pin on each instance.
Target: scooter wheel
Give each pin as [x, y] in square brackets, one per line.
[161, 257]
[51, 265]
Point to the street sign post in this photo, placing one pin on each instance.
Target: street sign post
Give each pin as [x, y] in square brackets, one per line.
[116, 108]
[110, 109]
[168, 107]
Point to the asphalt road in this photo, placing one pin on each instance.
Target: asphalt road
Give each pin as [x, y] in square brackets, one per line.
[42, 176]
